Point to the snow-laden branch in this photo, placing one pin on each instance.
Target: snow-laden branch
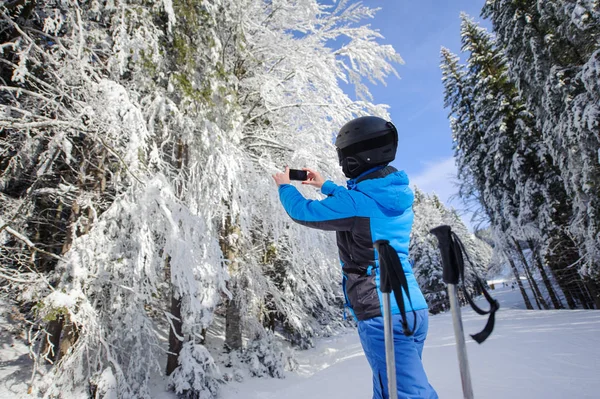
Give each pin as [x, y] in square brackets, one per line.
[20, 90]
[13, 124]
[281, 107]
[16, 279]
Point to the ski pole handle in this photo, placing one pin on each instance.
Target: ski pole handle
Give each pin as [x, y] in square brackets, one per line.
[385, 282]
[451, 273]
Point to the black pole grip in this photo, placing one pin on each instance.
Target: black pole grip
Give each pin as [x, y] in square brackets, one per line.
[385, 284]
[393, 279]
[451, 273]
[452, 250]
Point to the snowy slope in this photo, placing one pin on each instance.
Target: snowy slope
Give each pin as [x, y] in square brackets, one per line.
[531, 354]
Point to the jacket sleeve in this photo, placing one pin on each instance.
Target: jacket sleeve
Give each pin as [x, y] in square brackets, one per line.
[336, 212]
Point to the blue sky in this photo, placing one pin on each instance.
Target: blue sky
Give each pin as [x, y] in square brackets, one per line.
[418, 29]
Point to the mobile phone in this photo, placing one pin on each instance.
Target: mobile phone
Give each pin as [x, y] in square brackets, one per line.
[297, 174]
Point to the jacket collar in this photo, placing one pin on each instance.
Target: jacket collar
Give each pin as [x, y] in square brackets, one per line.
[373, 173]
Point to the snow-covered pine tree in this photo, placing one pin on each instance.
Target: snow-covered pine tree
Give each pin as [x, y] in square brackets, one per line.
[537, 186]
[469, 137]
[430, 212]
[424, 251]
[488, 149]
[554, 49]
[522, 173]
[477, 170]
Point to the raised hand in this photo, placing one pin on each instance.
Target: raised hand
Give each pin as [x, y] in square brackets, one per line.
[314, 178]
[282, 177]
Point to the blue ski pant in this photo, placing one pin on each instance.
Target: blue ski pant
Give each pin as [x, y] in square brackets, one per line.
[411, 379]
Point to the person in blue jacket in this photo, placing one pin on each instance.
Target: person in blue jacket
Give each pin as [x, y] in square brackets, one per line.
[376, 204]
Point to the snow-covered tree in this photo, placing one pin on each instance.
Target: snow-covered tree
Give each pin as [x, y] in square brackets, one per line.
[430, 212]
[425, 254]
[532, 182]
[138, 140]
[554, 50]
[479, 164]
[506, 166]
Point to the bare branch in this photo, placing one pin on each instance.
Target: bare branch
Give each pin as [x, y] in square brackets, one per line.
[29, 125]
[28, 242]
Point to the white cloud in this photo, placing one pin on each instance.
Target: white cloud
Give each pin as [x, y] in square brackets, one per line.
[439, 178]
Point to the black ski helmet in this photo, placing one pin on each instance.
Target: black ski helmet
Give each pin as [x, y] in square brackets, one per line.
[364, 143]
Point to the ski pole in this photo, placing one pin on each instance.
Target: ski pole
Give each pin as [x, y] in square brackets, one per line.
[451, 278]
[461, 346]
[388, 331]
[388, 328]
[393, 280]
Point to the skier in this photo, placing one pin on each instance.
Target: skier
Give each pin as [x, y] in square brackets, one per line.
[377, 204]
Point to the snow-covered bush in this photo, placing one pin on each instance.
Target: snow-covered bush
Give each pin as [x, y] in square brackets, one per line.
[197, 375]
[264, 357]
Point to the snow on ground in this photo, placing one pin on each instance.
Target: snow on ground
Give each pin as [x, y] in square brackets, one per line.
[15, 365]
[531, 354]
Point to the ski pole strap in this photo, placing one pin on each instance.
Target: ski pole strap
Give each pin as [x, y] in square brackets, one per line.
[452, 250]
[394, 280]
[494, 305]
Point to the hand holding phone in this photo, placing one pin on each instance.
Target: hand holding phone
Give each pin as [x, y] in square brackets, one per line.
[314, 178]
[297, 174]
[305, 175]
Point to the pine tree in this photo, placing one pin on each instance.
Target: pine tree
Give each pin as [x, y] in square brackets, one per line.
[430, 212]
[479, 173]
[553, 47]
[525, 172]
[424, 252]
[525, 179]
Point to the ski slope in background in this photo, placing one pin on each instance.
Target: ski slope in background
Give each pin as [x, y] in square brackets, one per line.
[531, 354]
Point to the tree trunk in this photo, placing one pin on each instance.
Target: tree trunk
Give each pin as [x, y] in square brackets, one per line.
[64, 333]
[51, 344]
[55, 327]
[566, 289]
[553, 297]
[535, 297]
[537, 294]
[70, 334]
[175, 335]
[233, 322]
[176, 327]
[592, 287]
[557, 264]
[580, 290]
[572, 285]
[520, 284]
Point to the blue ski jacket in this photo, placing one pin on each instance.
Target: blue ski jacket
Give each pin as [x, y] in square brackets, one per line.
[377, 205]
